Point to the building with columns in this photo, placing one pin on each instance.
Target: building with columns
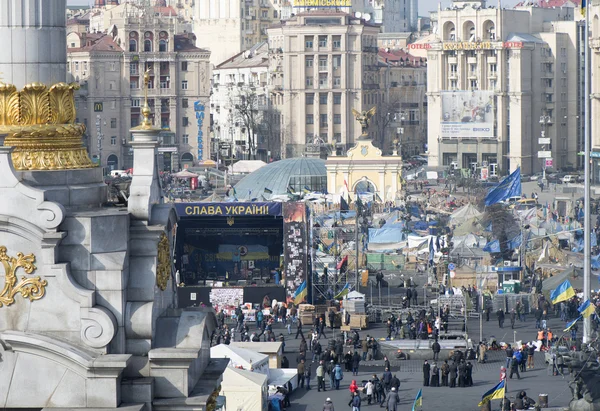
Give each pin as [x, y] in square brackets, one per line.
[109, 67]
[322, 64]
[503, 85]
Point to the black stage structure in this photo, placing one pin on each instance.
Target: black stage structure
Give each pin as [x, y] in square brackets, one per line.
[241, 249]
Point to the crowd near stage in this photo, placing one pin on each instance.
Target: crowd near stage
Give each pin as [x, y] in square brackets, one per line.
[237, 253]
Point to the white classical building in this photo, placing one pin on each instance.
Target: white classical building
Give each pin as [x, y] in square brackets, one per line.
[497, 80]
[322, 64]
[110, 66]
[240, 83]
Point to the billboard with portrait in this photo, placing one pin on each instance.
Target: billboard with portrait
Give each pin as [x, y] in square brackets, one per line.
[467, 114]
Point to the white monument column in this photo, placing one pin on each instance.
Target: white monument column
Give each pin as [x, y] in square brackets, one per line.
[33, 37]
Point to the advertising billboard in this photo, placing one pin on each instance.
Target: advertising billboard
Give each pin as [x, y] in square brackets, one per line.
[322, 3]
[468, 114]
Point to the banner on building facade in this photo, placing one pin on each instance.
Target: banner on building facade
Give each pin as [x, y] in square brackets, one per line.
[228, 209]
[322, 3]
[467, 114]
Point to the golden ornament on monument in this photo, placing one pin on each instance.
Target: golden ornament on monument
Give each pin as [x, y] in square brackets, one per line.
[40, 125]
[163, 267]
[32, 288]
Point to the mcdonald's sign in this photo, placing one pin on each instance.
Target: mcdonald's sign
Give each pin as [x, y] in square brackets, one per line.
[98, 106]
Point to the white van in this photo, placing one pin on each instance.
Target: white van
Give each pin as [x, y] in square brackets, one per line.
[569, 178]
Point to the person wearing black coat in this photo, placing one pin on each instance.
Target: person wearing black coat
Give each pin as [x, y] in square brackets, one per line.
[435, 376]
[348, 361]
[436, 350]
[445, 371]
[395, 383]
[408, 297]
[426, 370]
[453, 373]
[462, 374]
[355, 363]
[331, 319]
[469, 378]
[387, 379]
[500, 315]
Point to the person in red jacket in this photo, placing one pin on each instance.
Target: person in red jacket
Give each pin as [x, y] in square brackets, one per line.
[353, 388]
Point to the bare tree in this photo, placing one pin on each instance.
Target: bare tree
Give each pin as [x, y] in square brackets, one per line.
[388, 114]
[246, 112]
[271, 130]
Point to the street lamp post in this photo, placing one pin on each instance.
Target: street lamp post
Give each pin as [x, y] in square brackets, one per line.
[545, 120]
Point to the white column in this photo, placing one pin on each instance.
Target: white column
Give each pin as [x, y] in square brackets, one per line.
[33, 34]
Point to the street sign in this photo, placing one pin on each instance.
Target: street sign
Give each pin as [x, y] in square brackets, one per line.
[549, 162]
[451, 267]
[544, 154]
[544, 140]
[452, 274]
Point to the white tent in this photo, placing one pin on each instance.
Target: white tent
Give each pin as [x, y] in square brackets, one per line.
[241, 357]
[244, 390]
[463, 214]
[246, 166]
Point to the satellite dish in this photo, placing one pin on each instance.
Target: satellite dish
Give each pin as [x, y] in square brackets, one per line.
[358, 14]
[367, 17]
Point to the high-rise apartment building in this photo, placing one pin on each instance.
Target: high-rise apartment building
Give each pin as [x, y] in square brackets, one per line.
[110, 68]
[322, 64]
[503, 88]
[228, 27]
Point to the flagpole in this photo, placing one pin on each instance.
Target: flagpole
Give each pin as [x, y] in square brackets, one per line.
[587, 324]
[505, 388]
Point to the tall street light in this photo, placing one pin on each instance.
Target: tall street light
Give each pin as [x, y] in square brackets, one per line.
[545, 120]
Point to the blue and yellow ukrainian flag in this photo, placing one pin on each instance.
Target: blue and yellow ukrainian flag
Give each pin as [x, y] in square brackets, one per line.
[572, 323]
[583, 7]
[563, 293]
[494, 394]
[300, 293]
[343, 292]
[418, 400]
[586, 309]
[290, 191]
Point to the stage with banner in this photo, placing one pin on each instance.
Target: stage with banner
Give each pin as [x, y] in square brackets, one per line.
[237, 244]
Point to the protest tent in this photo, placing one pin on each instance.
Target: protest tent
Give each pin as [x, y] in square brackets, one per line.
[244, 390]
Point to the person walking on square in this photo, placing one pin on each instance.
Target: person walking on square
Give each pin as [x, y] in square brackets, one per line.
[299, 329]
[453, 373]
[436, 348]
[328, 406]
[307, 374]
[301, 374]
[331, 372]
[392, 400]
[369, 388]
[530, 360]
[338, 375]
[355, 363]
[500, 315]
[355, 403]
[426, 371]
[513, 316]
[321, 377]
[514, 367]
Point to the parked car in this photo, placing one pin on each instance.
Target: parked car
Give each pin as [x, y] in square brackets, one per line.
[536, 176]
[569, 178]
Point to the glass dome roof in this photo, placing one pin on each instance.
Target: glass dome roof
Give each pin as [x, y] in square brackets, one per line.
[296, 173]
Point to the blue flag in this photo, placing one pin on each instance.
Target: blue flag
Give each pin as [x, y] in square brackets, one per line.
[431, 251]
[492, 247]
[509, 187]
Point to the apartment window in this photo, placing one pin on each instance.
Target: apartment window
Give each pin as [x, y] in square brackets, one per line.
[184, 85]
[473, 84]
[185, 121]
[548, 97]
[337, 98]
[337, 61]
[323, 98]
[453, 68]
[310, 98]
[337, 42]
[322, 63]
[473, 68]
[337, 82]
[310, 119]
[309, 61]
[133, 84]
[493, 84]
[132, 45]
[337, 119]
[563, 67]
[308, 42]
[563, 52]
[337, 137]
[563, 82]
[547, 67]
[185, 138]
[85, 66]
[322, 79]
[184, 66]
[135, 102]
[184, 103]
[113, 140]
[113, 123]
[493, 68]
[76, 66]
[134, 68]
[309, 81]
[322, 41]
[323, 120]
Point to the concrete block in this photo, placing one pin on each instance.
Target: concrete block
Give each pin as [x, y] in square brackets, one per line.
[87, 195]
[138, 390]
[78, 231]
[108, 235]
[103, 392]
[109, 261]
[77, 255]
[86, 279]
[113, 301]
[110, 280]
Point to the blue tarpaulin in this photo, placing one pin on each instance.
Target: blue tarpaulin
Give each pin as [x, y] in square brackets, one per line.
[386, 235]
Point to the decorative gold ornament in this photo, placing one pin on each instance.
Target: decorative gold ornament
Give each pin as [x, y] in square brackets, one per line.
[230, 221]
[146, 111]
[40, 126]
[211, 403]
[163, 268]
[364, 119]
[32, 288]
